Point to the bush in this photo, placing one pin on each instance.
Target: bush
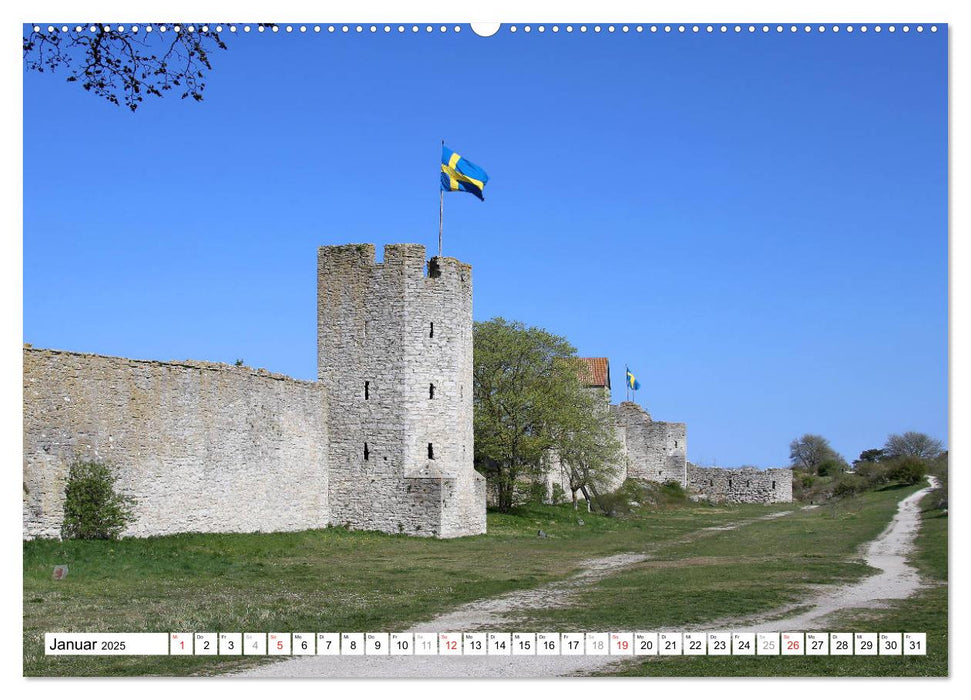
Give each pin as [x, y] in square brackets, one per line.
[830, 467]
[908, 470]
[93, 510]
[850, 485]
[558, 496]
[875, 473]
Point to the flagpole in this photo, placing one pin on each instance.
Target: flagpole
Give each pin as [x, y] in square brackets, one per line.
[441, 210]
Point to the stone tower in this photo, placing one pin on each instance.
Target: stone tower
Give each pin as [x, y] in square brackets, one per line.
[394, 351]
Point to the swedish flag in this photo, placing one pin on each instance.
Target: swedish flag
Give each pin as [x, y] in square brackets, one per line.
[461, 175]
[632, 382]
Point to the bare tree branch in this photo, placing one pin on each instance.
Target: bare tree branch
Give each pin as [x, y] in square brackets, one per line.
[124, 67]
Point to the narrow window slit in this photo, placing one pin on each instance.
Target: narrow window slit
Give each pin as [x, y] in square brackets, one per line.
[431, 330]
[367, 390]
[367, 452]
[431, 451]
[431, 391]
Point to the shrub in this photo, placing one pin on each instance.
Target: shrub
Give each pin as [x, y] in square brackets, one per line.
[908, 470]
[559, 495]
[93, 510]
[875, 473]
[849, 485]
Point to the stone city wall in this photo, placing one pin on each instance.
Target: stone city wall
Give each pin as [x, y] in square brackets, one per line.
[742, 485]
[204, 447]
[653, 450]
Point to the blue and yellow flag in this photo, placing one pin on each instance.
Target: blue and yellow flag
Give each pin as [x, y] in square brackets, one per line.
[631, 382]
[461, 175]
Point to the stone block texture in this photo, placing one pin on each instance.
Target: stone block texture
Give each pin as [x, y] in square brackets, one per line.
[382, 441]
[395, 357]
[203, 447]
[742, 485]
[653, 450]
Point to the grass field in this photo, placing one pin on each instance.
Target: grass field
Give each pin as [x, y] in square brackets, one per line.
[857, 522]
[335, 580]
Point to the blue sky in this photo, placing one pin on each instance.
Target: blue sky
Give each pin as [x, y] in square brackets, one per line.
[755, 223]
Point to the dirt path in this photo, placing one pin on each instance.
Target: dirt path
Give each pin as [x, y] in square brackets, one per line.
[888, 552]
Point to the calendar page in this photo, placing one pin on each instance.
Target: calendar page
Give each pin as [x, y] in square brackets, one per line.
[285, 415]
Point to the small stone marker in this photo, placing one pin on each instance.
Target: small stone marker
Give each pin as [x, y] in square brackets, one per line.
[60, 572]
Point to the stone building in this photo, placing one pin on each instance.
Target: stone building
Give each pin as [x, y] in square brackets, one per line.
[382, 441]
[656, 451]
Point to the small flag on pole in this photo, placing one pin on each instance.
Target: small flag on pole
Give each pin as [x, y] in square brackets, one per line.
[461, 175]
[632, 383]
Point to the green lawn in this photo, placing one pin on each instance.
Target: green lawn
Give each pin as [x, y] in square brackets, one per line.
[324, 580]
[335, 580]
[823, 547]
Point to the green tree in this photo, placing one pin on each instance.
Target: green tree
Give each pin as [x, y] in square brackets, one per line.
[528, 400]
[912, 444]
[873, 455]
[583, 438]
[810, 452]
[93, 509]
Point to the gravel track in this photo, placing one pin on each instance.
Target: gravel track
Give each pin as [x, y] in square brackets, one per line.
[888, 552]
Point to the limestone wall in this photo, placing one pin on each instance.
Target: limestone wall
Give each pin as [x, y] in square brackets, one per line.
[653, 450]
[395, 356]
[204, 447]
[743, 485]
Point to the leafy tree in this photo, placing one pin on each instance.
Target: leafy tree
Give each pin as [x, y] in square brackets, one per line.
[125, 65]
[93, 510]
[874, 455]
[811, 451]
[528, 399]
[912, 444]
[583, 438]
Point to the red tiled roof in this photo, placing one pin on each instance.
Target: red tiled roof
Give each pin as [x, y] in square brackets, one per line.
[596, 371]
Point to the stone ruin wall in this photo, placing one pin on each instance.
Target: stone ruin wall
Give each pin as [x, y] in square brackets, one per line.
[653, 450]
[395, 356]
[204, 447]
[742, 485]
